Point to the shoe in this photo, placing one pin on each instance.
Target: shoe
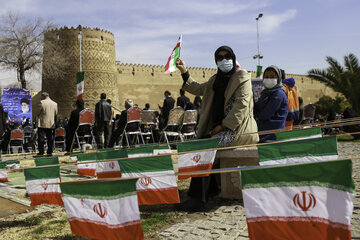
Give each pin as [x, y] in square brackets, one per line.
[191, 205]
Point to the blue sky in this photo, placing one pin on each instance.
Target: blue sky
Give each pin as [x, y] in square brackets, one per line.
[295, 35]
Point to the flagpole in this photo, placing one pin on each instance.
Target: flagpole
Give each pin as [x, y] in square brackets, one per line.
[80, 38]
[180, 44]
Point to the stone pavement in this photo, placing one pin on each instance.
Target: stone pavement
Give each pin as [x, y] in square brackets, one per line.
[229, 222]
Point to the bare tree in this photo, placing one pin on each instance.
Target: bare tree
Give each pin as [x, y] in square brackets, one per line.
[21, 44]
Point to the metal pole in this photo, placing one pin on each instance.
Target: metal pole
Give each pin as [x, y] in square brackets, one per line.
[80, 37]
[258, 42]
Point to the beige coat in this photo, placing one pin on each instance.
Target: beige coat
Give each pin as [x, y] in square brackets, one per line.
[240, 118]
[47, 112]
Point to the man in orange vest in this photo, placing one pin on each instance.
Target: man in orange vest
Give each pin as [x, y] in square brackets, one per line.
[293, 100]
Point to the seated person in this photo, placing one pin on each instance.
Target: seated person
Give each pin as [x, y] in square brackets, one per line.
[271, 109]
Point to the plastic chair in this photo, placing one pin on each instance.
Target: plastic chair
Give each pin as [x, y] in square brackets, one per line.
[84, 132]
[189, 124]
[132, 132]
[148, 124]
[60, 138]
[173, 126]
[16, 140]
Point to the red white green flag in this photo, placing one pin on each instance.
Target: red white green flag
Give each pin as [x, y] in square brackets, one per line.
[38, 187]
[12, 165]
[46, 161]
[196, 161]
[157, 182]
[80, 84]
[103, 210]
[86, 165]
[299, 134]
[175, 54]
[3, 172]
[109, 169]
[300, 201]
[300, 151]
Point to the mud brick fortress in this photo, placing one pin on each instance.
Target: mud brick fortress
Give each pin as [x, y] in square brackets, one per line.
[142, 83]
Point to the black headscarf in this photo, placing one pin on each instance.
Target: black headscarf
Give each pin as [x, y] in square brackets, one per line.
[219, 87]
[265, 94]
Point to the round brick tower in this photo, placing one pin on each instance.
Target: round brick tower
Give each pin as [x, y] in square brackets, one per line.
[98, 63]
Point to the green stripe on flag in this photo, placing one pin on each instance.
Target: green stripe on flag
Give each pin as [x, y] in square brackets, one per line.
[176, 56]
[301, 148]
[301, 133]
[333, 174]
[2, 165]
[149, 164]
[80, 77]
[194, 145]
[115, 154]
[46, 161]
[141, 150]
[100, 190]
[89, 157]
[42, 173]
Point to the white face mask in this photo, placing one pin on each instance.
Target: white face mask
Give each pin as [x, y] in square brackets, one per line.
[225, 65]
[270, 82]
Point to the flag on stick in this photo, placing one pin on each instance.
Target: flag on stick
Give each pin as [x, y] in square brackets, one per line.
[307, 150]
[46, 161]
[152, 188]
[302, 201]
[38, 187]
[299, 134]
[84, 168]
[175, 54]
[103, 210]
[3, 172]
[80, 84]
[196, 161]
[109, 169]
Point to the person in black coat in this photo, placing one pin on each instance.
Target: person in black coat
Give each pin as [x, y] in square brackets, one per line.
[182, 100]
[73, 123]
[168, 104]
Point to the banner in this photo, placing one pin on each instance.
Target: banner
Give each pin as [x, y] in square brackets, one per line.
[17, 103]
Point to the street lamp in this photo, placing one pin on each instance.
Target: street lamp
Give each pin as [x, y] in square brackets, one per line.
[258, 56]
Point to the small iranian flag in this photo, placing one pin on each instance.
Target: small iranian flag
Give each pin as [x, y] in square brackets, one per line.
[38, 187]
[171, 63]
[80, 84]
[85, 168]
[103, 210]
[302, 201]
[140, 152]
[196, 161]
[301, 151]
[46, 161]
[109, 169]
[13, 165]
[3, 172]
[152, 188]
[299, 134]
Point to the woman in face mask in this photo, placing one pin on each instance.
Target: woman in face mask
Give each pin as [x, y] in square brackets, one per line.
[272, 107]
[226, 110]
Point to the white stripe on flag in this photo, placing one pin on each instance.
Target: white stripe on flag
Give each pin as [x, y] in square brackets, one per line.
[195, 159]
[108, 166]
[3, 174]
[306, 159]
[42, 186]
[153, 180]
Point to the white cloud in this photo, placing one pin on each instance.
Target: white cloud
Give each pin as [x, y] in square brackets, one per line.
[273, 22]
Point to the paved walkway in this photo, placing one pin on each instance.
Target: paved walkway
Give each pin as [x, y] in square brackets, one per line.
[229, 222]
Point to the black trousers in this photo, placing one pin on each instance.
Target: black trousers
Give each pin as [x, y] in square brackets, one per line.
[49, 132]
[102, 127]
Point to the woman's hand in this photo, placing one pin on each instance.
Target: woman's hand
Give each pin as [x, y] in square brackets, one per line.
[180, 64]
[217, 129]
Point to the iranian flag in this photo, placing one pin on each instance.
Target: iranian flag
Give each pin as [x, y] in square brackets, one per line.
[38, 187]
[140, 151]
[301, 151]
[196, 161]
[86, 165]
[12, 165]
[302, 201]
[299, 134]
[159, 150]
[109, 169]
[46, 161]
[103, 210]
[157, 181]
[171, 63]
[80, 84]
[3, 172]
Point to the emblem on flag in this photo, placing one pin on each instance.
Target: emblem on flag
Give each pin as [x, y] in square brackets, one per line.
[100, 210]
[145, 181]
[303, 204]
[196, 158]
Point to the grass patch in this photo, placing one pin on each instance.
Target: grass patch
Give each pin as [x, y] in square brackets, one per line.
[41, 229]
[153, 220]
[345, 138]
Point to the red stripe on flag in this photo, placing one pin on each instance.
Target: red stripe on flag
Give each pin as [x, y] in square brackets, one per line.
[113, 174]
[80, 96]
[49, 198]
[304, 228]
[158, 196]
[4, 180]
[86, 172]
[202, 167]
[97, 231]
